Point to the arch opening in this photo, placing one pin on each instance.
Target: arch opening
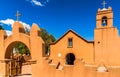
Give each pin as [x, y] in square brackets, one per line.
[18, 55]
[70, 58]
[104, 21]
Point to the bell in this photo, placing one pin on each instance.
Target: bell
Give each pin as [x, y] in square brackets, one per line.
[104, 23]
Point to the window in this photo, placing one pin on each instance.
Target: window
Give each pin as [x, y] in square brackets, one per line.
[104, 21]
[70, 42]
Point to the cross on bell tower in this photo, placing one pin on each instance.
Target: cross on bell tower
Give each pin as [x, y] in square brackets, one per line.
[17, 15]
[104, 4]
[104, 17]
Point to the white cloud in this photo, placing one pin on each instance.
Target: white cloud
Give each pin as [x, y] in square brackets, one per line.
[10, 22]
[8, 32]
[37, 3]
[25, 25]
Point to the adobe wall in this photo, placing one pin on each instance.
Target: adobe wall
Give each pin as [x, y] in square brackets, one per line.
[107, 46]
[32, 41]
[81, 49]
[79, 69]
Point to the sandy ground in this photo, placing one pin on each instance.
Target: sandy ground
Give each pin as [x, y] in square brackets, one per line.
[26, 69]
[24, 76]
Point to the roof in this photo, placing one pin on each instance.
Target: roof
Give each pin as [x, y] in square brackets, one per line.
[73, 33]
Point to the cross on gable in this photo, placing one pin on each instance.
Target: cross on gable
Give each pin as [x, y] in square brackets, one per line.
[18, 15]
[104, 3]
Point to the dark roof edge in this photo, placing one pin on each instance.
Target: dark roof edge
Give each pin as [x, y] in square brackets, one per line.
[75, 34]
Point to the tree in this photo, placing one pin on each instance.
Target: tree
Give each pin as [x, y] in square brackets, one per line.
[48, 38]
[22, 49]
[1, 28]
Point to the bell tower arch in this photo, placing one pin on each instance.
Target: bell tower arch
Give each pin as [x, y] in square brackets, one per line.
[104, 18]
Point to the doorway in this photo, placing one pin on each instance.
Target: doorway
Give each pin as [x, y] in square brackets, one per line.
[70, 58]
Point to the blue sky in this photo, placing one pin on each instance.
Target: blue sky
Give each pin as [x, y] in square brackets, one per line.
[57, 16]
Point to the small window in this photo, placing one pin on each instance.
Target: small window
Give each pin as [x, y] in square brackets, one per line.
[70, 42]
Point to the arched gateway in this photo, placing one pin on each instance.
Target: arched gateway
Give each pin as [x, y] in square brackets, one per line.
[33, 42]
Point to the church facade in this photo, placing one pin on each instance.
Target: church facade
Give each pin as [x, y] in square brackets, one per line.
[90, 58]
[71, 55]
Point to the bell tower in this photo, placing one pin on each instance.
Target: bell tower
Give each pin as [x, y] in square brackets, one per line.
[104, 18]
[105, 35]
